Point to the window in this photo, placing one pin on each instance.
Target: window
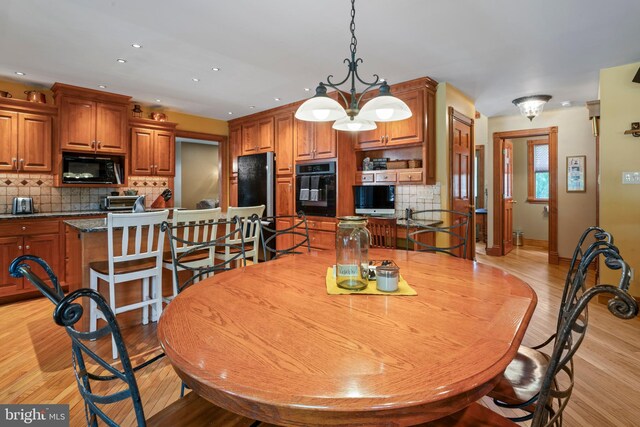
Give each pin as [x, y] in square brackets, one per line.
[538, 171]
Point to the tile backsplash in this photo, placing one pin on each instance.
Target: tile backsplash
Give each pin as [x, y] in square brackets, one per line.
[47, 198]
[418, 198]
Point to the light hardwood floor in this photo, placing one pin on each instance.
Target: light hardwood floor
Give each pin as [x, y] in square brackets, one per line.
[35, 355]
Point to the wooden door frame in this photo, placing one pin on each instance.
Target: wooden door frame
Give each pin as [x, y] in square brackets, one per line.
[456, 115]
[498, 187]
[223, 159]
[479, 150]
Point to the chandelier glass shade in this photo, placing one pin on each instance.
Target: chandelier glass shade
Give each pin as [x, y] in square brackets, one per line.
[531, 106]
[354, 124]
[383, 108]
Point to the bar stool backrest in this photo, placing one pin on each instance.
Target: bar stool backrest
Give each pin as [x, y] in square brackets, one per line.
[148, 242]
[250, 228]
[201, 225]
[284, 235]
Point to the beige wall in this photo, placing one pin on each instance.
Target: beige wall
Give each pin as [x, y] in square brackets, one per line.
[620, 204]
[199, 173]
[576, 211]
[529, 218]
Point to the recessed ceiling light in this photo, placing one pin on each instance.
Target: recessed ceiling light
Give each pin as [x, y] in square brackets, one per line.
[120, 60]
[20, 73]
[102, 86]
[216, 69]
[195, 79]
[306, 89]
[566, 103]
[136, 45]
[252, 106]
[277, 99]
[230, 112]
[158, 100]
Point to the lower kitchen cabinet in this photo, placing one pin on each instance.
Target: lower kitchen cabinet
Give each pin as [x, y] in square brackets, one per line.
[322, 232]
[233, 190]
[38, 238]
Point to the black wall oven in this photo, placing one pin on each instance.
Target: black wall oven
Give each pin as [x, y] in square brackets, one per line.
[316, 188]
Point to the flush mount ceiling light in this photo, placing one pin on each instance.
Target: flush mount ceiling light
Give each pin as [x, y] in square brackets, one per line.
[136, 45]
[120, 60]
[531, 106]
[20, 73]
[383, 108]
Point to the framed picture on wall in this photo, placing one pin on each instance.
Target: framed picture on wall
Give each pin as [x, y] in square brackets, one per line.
[576, 174]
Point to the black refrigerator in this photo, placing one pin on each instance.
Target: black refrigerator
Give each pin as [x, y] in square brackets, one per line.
[256, 181]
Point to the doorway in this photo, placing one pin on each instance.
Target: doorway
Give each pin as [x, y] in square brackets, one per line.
[502, 189]
[197, 172]
[480, 194]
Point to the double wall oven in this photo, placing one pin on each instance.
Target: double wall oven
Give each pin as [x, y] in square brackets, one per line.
[316, 188]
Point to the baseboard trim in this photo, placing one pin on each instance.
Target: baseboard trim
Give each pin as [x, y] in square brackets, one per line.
[567, 261]
[494, 251]
[543, 244]
[554, 258]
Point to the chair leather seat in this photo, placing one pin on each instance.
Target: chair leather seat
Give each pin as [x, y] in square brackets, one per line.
[102, 267]
[193, 410]
[195, 256]
[234, 249]
[523, 377]
[474, 415]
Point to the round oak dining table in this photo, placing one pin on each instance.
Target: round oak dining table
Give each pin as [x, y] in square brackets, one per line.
[266, 341]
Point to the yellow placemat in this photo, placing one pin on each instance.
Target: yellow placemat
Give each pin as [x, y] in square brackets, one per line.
[333, 289]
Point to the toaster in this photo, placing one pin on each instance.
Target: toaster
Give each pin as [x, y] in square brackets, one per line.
[22, 205]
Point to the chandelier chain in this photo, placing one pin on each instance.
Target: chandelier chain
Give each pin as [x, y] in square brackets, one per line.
[352, 27]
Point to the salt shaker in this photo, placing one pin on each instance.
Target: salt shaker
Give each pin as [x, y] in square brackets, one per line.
[387, 277]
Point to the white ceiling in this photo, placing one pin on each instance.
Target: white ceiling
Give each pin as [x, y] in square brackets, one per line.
[493, 50]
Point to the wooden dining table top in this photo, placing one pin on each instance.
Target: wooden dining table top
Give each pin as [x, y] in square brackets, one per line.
[268, 342]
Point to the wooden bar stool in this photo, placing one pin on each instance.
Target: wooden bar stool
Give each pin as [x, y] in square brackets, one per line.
[127, 262]
[383, 232]
[250, 231]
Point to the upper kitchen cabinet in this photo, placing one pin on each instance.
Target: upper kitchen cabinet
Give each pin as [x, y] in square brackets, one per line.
[315, 140]
[413, 139]
[258, 135]
[284, 143]
[91, 121]
[235, 146]
[152, 148]
[26, 135]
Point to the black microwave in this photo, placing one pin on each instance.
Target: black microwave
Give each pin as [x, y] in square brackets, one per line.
[89, 170]
[375, 199]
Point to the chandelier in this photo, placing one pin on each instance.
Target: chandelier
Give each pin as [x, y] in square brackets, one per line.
[382, 108]
[531, 106]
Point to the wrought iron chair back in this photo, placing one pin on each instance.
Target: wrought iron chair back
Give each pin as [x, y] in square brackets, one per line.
[455, 230]
[586, 242]
[67, 313]
[193, 246]
[383, 232]
[291, 240]
[558, 381]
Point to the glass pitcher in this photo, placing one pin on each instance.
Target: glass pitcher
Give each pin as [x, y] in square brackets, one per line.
[352, 253]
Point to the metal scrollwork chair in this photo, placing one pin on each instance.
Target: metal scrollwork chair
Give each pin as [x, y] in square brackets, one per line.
[558, 377]
[90, 368]
[522, 380]
[193, 246]
[284, 235]
[453, 231]
[383, 232]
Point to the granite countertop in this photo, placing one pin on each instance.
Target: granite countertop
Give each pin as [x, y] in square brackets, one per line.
[88, 225]
[50, 215]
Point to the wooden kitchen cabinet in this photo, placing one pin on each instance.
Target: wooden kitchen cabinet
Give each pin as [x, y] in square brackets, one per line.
[38, 238]
[152, 149]
[315, 140]
[285, 195]
[404, 132]
[258, 136]
[233, 190]
[284, 143]
[26, 136]
[91, 121]
[322, 232]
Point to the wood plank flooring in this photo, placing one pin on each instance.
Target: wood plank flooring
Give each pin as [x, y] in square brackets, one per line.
[35, 355]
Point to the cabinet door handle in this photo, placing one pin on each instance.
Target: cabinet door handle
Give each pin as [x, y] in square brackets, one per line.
[99, 144]
[15, 163]
[289, 166]
[93, 144]
[20, 247]
[386, 137]
[21, 164]
[24, 227]
[382, 139]
[27, 247]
